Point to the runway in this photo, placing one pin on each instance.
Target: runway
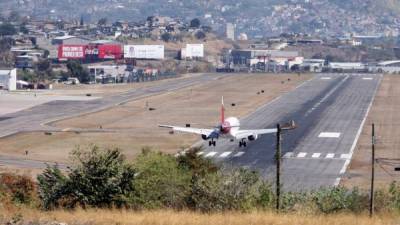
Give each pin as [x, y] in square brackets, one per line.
[329, 110]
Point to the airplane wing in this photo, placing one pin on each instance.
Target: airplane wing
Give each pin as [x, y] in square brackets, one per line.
[206, 132]
[254, 133]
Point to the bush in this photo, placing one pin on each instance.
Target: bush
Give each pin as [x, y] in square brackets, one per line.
[21, 189]
[98, 178]
[52, 186]
[161, 182]
[333, 200]
[234, 190]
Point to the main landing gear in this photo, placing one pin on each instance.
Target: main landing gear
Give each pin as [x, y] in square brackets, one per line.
[242, 143]
[212, 143]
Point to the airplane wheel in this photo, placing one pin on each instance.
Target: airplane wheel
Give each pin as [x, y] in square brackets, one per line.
[244, 144]
[240, 144]
[209, 143]
[214, 143]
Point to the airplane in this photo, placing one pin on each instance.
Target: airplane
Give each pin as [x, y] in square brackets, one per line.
[228, 128]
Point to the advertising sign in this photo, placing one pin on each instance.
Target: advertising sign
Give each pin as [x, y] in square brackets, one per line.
[144, 51]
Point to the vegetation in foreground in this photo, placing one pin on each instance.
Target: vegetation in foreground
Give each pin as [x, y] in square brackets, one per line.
[104, 182]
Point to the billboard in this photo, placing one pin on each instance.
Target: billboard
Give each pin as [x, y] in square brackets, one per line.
[71, 51]
[144, 51]
[110, 52]
[103, 52]
[194, 50]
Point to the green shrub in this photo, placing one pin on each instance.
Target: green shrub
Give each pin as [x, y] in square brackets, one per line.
[98, 178]
[232, 190]
[160, 182]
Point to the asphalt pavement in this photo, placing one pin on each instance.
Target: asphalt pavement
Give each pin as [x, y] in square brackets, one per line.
[329, 110]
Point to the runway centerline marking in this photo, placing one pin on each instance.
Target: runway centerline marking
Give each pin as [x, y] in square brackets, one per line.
[329, 135]
[225, 154]
[211, 154]
[367, 78]
[302, 154]
[326, 78]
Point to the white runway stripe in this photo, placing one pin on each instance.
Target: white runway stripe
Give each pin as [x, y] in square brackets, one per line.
[200, 153]
[325, 78]
[316, 155]
[345, 156]
[238, 154]
[302, 155]
[211, 154]
[330, 156]
[288, 155]
[329, 135]
[225, 154]
[367, 78]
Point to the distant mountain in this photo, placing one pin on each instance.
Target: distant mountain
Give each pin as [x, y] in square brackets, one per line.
[254, 17]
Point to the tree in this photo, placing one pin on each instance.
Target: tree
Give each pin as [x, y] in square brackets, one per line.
[166, 37]
[195, 23]
[200, 34]
[102, 21]
[76, 70]
[7, 29]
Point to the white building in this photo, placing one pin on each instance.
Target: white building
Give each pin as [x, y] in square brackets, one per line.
[8, 79]
[230, 31]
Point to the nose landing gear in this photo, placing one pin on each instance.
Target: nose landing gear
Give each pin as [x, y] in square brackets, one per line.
[242, 143]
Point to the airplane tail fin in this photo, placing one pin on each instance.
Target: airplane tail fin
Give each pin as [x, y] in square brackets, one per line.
[222, 110]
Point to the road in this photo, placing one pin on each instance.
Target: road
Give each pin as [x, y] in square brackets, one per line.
[329, 110]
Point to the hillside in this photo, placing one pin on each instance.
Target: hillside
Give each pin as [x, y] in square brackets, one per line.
[256, 18]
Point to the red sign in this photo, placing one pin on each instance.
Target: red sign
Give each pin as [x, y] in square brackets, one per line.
[110, 51]
[71, 51]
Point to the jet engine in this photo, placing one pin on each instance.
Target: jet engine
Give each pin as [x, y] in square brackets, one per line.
[204, 137]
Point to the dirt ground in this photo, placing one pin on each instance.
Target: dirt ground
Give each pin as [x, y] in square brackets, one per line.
[133, 126]
[385, 114]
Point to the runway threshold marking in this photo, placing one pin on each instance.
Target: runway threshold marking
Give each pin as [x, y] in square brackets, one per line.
[329, 135]
[238, 154]
[211, 154]
[225, 154]
[288, 155]
[345, 156]
[316, 155]
[330, 156]
[302, 154]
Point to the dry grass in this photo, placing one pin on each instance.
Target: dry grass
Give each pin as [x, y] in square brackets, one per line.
[135, 127]
[385, 114]
[107, 217]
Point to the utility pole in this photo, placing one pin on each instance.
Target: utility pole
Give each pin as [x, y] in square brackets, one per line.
[371, 201]
[278, 167]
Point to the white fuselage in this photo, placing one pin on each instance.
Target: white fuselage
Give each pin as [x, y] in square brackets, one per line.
[230, 126]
